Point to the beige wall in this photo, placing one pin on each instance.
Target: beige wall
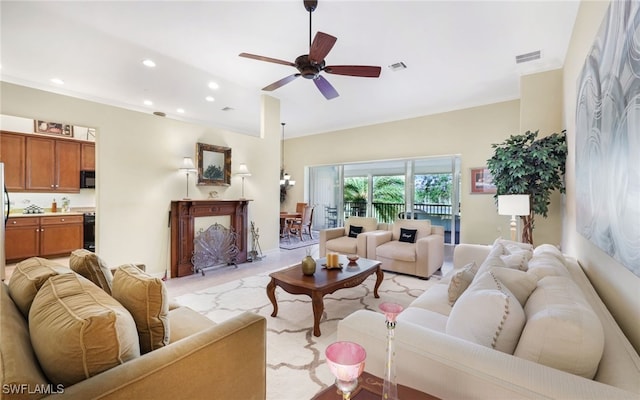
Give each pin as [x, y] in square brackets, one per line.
[138, 156]
[619, 288]
[469, 133]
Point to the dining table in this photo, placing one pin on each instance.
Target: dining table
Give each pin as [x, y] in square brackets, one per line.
[284, 215]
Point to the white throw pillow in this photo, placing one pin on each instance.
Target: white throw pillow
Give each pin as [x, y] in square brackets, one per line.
[562, 330]
[520, 283]
[488, 314]
[460, 281]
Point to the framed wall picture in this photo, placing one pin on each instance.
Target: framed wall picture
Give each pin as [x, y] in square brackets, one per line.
[53, 128]
[482, 181]
[214, 165]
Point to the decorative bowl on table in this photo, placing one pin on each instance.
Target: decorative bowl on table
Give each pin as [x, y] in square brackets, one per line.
[352, 258]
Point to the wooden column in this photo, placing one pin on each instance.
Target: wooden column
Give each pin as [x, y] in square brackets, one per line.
[183, 213]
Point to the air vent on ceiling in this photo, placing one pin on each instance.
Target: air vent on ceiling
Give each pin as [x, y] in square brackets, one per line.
[227, 108]
[397, 66]
[534, 55]
[159, 114]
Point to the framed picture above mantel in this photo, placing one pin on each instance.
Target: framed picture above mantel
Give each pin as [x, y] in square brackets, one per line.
[214, 165]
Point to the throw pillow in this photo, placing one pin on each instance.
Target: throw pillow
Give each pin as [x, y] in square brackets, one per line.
[562, 330]
[520, 283]
[354, 231]
[89, 265]
[408, 235]
[77, 330]
[517, 261]
[146, 299]
[461, 280]
[488, 314]
[28, 277]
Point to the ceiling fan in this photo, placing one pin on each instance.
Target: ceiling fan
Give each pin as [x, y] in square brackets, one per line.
[310, 65]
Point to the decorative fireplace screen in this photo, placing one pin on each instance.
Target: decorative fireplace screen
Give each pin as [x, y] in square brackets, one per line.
[214, 247]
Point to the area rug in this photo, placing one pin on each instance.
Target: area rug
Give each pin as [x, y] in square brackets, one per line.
[296, 366]
[294, 242]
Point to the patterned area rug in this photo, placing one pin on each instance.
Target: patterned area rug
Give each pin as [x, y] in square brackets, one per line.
[296, 366]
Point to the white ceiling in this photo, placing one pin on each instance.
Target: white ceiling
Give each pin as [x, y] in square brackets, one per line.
[458, 54]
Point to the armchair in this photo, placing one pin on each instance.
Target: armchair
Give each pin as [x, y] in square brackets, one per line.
[338, 239]
[421, 257]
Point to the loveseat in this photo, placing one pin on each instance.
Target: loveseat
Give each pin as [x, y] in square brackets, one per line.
[350, 239]
[413, 247]
[63, 336]
[505, 324]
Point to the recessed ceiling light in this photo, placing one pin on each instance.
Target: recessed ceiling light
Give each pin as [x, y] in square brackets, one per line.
[149, 63]
[209, 98]
[148, 103]
[57, 81]
[180, 110]
[213, 85]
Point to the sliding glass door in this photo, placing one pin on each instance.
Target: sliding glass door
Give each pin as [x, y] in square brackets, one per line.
[426, 188]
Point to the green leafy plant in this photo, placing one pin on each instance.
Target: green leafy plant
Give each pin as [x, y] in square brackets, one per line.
[523, 164]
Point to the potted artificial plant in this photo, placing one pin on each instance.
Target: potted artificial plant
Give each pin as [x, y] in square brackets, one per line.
[523, 164]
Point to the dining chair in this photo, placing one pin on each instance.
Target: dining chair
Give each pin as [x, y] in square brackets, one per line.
[299, 225]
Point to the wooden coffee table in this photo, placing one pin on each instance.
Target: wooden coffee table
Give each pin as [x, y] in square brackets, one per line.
[370, 388]
[324, 281]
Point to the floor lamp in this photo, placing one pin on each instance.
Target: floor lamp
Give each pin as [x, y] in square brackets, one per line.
[243, 172]
[513, 204]
[187, 167]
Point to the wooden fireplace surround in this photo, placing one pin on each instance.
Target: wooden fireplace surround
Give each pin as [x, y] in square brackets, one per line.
[182, 215]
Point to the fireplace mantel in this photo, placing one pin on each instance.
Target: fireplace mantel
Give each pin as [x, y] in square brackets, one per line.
[183, 213]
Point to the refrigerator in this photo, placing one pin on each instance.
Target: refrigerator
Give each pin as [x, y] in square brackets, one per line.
[4, 196]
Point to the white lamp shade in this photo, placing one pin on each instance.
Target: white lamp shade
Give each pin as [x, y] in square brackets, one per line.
[513, 204]
[187, 163]
[243, 170]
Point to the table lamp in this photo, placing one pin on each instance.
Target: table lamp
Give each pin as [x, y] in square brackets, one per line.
[243, 172]
[513, 204]
[187, 167]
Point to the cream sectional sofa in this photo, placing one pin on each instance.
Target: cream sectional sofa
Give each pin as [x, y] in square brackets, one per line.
[510, 334]
[63, 336]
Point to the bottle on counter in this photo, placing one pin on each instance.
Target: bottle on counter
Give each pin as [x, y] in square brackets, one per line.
[54, 206]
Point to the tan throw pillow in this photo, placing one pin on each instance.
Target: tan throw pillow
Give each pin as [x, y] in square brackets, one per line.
[78, 331]
[146, 299]
[488, 314]
[460, 281]
[92, 267]
[562, 330]
[517, 261]
[27, 278]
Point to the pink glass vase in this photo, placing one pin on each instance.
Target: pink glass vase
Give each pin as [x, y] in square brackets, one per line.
[389, 386]
[346, 363]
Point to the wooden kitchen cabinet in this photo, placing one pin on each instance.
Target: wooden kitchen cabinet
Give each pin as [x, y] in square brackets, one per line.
[52, 165]
[22, 238]
[43, 236]
[88, 157]
[60, 235]
[12, 154]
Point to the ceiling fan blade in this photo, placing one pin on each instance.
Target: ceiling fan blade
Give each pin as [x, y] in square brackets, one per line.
[280, 83]
[321, 46]
[325, 88]
[267, 59]
[354, 70]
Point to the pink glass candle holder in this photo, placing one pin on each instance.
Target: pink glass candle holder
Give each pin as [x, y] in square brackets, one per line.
[346, 363]
[389, 385]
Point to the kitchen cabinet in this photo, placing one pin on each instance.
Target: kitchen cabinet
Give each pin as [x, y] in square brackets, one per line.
[43, 236]
[22, 238]
[52, 165]
[12, 154]
[88, 157]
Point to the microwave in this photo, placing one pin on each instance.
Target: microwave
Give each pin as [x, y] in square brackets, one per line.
[87, 179]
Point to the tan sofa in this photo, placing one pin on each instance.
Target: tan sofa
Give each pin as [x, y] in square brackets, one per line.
[568, 345]
[421, 258]
[201, 359]
[337, 240]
